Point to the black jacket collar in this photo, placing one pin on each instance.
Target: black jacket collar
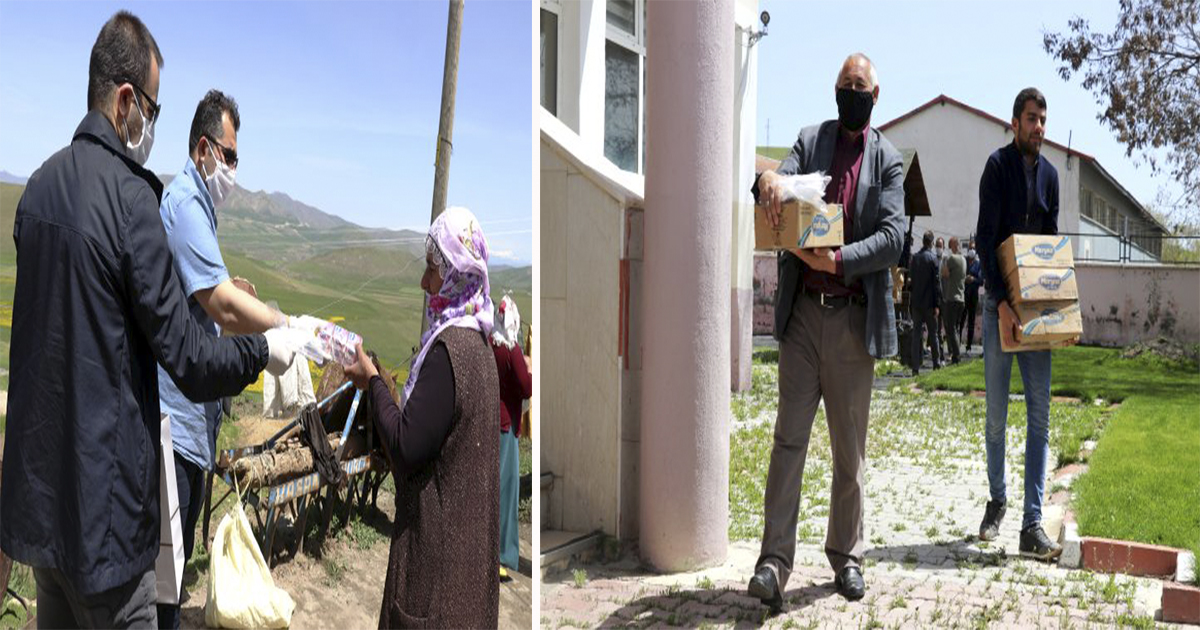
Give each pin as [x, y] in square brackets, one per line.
[96, 127]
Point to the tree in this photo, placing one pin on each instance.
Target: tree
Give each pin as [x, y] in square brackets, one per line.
[1145, 76]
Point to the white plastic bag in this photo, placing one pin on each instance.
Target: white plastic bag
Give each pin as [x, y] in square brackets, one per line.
[808, 188]
[241, 592]
[168, 567]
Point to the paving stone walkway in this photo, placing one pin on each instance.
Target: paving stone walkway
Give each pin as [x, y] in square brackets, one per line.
[926, 484]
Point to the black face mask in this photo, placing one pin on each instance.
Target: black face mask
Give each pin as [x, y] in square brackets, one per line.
[854, 108]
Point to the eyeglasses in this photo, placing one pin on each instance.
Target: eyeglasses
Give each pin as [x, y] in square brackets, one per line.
[230, 155]
[155, 108]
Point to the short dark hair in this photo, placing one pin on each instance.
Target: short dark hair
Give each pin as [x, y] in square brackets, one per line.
[927, 239]
[1026, 95]
[121, 54]
[207, 121]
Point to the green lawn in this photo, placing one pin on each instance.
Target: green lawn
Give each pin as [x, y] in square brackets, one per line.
[1142, 482]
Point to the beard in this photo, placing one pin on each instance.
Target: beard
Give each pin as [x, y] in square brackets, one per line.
[1028, 146]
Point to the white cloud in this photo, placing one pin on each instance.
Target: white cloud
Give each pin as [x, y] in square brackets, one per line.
[506, 254]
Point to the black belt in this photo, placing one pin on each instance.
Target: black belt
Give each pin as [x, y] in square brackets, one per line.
[833, 301]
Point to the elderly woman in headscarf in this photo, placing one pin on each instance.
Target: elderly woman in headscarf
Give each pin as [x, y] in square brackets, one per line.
[515, 386]
[442, 568]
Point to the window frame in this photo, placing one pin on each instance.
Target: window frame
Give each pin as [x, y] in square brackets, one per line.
[555, 7]
[636, 44]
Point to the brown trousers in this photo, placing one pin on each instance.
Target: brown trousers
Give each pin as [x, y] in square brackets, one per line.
[822, 354]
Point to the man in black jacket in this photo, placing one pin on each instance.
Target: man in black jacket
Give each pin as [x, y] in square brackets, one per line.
[97, 305]
[1018, 194]
[924, 297]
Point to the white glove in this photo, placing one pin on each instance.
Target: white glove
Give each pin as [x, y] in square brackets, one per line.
[281, 347]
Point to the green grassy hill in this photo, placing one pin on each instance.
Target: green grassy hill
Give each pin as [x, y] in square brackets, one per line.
[343, 271]
[775, 153]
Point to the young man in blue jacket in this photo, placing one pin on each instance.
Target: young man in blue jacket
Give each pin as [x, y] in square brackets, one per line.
[1018, 194]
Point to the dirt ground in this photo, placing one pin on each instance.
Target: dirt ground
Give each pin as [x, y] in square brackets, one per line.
[344, 588]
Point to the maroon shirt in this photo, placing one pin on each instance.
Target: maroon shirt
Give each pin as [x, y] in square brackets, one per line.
[515, 385]
[842, 190]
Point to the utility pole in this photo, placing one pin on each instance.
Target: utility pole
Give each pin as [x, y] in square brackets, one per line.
[445, 144]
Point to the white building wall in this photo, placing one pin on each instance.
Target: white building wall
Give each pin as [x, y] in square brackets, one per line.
[583, 212]
[954, 145]
[745, 112]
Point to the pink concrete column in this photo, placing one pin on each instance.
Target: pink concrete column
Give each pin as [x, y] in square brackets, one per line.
[684, 477]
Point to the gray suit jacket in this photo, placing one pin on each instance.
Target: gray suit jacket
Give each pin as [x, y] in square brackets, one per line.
[878, 234]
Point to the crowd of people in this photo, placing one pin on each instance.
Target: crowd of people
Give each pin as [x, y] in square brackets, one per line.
[126, 321]
[943, 301]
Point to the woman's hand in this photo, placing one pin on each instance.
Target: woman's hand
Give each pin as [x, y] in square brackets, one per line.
[362, 370]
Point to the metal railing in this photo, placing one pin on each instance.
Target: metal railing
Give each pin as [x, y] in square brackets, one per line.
[1135, 248]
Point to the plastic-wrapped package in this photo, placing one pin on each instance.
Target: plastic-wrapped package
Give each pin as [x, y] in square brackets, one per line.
[808, 188]
[327, 341]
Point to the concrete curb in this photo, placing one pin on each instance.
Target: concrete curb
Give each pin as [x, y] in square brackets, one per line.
[1072, 546]
[1185, 571]
[1180, 603]
[1118, 556]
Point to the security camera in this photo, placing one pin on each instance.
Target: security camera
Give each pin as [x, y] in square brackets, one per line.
[757, 35]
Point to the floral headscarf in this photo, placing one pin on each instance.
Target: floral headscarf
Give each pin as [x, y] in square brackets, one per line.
[508, 324]
[457, 245]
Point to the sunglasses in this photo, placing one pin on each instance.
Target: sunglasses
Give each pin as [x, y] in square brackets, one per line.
[154, 108]
[230, 155]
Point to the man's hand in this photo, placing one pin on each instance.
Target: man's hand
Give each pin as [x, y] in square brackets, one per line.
[362, 370]
[819, 258]
[937, 312]
[771, 195]
[1009, 324]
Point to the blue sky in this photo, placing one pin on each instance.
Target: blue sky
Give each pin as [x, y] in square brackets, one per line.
[339, 100]
[979, 52]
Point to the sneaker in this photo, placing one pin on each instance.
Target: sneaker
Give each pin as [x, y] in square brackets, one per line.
[1037, 545]
[992, 515]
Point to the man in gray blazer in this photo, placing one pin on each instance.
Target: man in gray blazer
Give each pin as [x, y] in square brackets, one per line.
[833, 318]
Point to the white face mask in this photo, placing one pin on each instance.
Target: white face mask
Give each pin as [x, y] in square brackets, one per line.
[139, 152]
[220, 181]
[939, 251]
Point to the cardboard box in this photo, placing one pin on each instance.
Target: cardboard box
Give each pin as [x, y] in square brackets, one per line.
[1041, 284]
[800, 226]
[1032, 346]
[1048, 323]
[1035, 250]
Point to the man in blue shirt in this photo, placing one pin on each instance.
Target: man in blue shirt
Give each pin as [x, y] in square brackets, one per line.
[1018, 194]
[188, 212]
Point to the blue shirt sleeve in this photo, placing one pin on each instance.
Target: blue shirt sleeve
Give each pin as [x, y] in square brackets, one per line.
[193, 241]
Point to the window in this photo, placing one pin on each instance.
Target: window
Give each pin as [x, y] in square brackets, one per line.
[1085, 204]
[624, 84]
[549, 53]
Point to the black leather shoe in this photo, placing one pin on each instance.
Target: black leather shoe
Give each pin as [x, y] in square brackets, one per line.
[765, 587]
[849, 583]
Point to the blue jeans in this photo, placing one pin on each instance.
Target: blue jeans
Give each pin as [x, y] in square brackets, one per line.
[1035, 373]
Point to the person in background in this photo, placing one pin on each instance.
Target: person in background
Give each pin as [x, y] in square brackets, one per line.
[954, 273]
[971, 287]
[516, 385]
[96, 307]
[925, 294]
[189, 216]
[443, 567]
